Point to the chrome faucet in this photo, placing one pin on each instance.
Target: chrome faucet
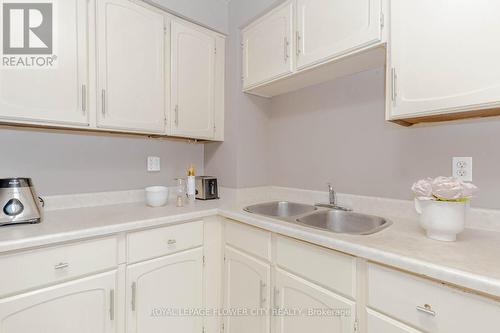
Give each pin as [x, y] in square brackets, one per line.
[333, 201]
[333, 196]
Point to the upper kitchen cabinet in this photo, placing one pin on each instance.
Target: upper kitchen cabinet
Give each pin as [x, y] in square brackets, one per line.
[53, 89]
[319, 40]
[329, 28]
[197, 82]
[113, 66]
[267, 46]
[443, 60]
[131, 67]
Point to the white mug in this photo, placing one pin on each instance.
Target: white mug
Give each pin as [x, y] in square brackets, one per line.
[442, 220]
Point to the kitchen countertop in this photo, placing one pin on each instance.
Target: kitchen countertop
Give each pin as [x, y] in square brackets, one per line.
[471, 262]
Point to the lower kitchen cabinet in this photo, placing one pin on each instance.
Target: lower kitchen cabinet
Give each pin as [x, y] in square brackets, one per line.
[305, 307]
[378, 323]
[299, 305]
[427, 305]
[158, 289]
[81, 306]
[247, 284]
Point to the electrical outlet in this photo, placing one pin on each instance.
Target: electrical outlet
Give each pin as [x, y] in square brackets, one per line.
[462, 168]
[153, 164]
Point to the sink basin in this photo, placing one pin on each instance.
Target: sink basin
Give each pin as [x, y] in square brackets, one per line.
[344, 222]
[280, 209]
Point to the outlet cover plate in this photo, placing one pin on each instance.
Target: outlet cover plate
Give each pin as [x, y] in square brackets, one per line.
[462, 168]
[153, 164]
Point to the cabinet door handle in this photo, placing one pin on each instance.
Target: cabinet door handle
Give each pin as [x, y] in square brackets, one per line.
[134, 288]
[298, 39]
[394, 86]
[103, 100]
[427, 309]
[276, 297]
[61, 265]
[243, 62]
[112, 304]
[286, 49]
[84, 98]
[262, 295]
[171, 242]
[177, 115]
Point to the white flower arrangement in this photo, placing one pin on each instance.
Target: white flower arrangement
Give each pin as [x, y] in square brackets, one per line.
[448, 189]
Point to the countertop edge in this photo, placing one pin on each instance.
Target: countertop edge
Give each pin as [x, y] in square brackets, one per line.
[64, 237]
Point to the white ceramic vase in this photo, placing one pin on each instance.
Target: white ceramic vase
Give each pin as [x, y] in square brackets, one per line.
[442, 220]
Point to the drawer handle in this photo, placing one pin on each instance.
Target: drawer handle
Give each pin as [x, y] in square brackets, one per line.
[427, 309]
[171, 242]
[61, 265]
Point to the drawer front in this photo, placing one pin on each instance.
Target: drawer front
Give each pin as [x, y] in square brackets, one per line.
[35, 268]
[249, 239]
[378, 323]
[147, 244]
[328, 268]
[428, 305]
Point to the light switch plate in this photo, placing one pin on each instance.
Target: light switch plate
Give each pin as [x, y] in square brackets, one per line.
[153, 164]
[462, 168]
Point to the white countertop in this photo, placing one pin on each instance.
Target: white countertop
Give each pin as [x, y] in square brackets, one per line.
[78, 223]
[472, 262]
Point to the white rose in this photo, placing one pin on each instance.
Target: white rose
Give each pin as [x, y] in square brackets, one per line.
[468, 190]
[423, 188]
[447, 188]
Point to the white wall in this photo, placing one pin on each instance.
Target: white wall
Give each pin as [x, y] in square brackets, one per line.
[62, 163]
[242, 159]
[336, 132]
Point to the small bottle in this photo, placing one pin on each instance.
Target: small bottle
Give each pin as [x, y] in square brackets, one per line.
[180, 192]
[191, 184]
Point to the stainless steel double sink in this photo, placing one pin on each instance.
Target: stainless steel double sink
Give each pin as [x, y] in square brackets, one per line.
[333, 220]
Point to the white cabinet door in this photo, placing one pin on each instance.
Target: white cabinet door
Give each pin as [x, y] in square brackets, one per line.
[378, 323]
[160, 288]
[306, 307]
[267, 47]
[56, 95]
[81, 306]
[131, 51]
[193, 81]
[247, 287]
[329, 28]
[444, 57]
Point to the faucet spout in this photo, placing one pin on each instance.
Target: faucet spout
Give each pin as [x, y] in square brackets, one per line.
[333, 196]
[333, 201]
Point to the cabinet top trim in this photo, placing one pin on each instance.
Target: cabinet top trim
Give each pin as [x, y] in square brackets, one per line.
[171, 12]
